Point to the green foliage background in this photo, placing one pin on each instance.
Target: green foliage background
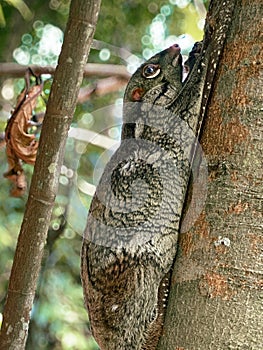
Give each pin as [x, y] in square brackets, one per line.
[59, 320]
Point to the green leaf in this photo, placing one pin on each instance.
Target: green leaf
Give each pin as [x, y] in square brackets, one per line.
[2, 17]
[22, 7]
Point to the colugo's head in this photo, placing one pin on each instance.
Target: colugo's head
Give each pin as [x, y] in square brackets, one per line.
[163, 70]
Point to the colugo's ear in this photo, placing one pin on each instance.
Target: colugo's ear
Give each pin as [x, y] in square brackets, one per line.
[137, 94]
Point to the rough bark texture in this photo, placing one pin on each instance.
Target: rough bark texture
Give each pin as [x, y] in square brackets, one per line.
[60, 109]
[216, 293]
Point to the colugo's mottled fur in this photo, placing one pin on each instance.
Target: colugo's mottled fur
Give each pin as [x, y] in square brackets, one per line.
[131, 236]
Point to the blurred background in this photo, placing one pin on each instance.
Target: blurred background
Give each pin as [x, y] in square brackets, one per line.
[128, 33]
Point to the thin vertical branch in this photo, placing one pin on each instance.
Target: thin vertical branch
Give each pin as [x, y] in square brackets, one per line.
[61, 105]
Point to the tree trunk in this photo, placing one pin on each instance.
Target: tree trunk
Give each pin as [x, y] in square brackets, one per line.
[216, 294]
[27, 261]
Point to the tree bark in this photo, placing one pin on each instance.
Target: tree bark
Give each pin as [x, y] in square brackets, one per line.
[27, 261]
[215, 299]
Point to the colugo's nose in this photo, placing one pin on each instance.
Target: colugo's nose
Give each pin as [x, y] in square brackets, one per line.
[174, 53]
[174, 49]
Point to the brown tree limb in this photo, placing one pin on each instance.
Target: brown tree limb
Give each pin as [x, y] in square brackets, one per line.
[16, 70]
[62, 101]
[100, 88]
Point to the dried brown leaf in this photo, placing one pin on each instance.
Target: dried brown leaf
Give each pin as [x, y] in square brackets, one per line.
[20, 145]
[18, 140]
[17, 176]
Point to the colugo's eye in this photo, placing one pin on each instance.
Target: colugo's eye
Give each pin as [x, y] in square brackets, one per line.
[151, 71]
